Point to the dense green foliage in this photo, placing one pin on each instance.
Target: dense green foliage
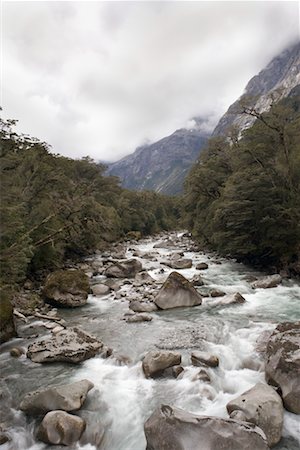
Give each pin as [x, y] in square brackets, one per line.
[242, 196]
[53, 208]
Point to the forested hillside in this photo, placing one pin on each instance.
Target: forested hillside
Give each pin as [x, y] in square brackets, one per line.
[53, 208]
[242, 196]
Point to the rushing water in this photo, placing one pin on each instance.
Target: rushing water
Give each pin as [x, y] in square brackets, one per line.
[122, 398]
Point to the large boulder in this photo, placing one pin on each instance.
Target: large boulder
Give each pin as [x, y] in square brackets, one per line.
[282, 364]
[262, 406]
[172, 428]
[67, 397]
[124, 269]
[69, 345]
[67, 288]
[176, 292]
[7, 326]
[156, 361]
[59, 427]
[267, 282]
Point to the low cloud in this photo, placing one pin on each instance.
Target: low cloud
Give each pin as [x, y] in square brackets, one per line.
[101, 78]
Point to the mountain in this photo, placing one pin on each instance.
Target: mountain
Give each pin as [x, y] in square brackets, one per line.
[274, 82]
[163, 165]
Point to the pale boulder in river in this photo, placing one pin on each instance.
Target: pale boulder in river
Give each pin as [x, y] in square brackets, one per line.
[176, 292]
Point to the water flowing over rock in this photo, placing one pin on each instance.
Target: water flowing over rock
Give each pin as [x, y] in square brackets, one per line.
[262, 406]
[67, 288]
[67, 397]
[267, 282]
[71, 345]
[176, 292]
[124, 269]
[172, 428]
[283, 363]
[157, 361]
[229, 299]
[59, 427]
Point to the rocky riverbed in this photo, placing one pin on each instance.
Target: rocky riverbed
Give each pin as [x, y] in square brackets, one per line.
[171, 345]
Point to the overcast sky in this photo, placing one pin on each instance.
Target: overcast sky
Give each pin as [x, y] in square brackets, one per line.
[101, 78]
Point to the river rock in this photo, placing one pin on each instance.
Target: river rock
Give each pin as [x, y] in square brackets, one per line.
[67, 288]
[16, 352]
[176, 292]
[137, 306]
[231, 299]
[217, 293]
[173, 428]
[156, 361]
[203, 358]
[165, 244]
[262, 406]
[135, 318]
[202, 266]
[267, 282]
[180, 264]
[59, 427]
[124, 269]
[100, 289]
[143, 278]
[197, 280]
[66, 397]
[282, 364]
[69, 345]
[202, 375]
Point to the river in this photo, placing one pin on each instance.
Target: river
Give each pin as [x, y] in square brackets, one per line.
[122, 398]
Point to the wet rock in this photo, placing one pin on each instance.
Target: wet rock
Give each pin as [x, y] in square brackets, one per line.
[172, 428]
[69, 345]
[282, 363]
[4, 437]
[155, 362]
[202, 266]
[203, 358]
[138, 318]
[262, 406]
[100, 289]
[137, 306]
[197, 281]
[267, 282]
[67, 288]
[59, 427]
[165, 244]
[114, 285]
[143, 278]
[176, 292]
[181, 264]
[217, 293]
[202, 375]
[16, 352]
[231, 299]
[124, 269]
[66, 397]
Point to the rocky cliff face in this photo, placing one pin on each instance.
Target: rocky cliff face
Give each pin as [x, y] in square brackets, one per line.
[274, 82]
[163, 165]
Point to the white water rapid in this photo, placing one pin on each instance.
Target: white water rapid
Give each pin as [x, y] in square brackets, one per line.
[123, 398]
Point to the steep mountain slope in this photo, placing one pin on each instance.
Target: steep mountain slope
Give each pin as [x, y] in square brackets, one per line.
[274, 82]
[163, 165]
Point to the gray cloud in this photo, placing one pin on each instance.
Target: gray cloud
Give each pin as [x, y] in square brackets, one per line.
[101, 78]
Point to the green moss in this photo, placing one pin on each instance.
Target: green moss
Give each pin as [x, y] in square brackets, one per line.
[7, 328]
[66, 281]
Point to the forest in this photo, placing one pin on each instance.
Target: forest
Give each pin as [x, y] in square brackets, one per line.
[55, 208]
[242, 196]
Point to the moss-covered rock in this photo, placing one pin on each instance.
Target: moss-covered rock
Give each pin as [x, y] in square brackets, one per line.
[7, 326]
[67, 288]
[27, 302]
